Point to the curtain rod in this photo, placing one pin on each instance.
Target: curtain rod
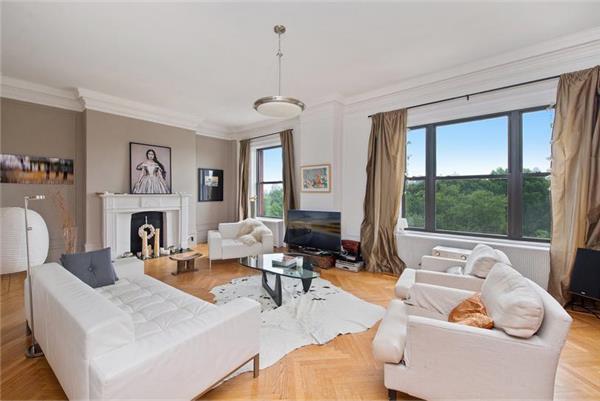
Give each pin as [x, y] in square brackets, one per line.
[479, 93]
[263, 136]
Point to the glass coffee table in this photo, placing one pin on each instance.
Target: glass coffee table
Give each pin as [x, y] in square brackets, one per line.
[303, 270]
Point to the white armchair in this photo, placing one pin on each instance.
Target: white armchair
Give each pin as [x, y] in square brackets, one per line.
[224, 243]
[446, 272]
[426, 356]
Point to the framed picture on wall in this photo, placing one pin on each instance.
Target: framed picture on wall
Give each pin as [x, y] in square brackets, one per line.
[22, 169]
[210, 185]
[150, 168]
[316, 178]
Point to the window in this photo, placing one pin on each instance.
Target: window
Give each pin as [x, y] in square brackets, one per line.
[269, 182]
[414, 193]
[537, 137]
[485, 176]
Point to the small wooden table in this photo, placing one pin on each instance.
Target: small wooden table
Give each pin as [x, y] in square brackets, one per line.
[186, 262]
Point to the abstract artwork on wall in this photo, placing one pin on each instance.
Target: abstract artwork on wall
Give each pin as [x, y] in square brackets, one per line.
[150, 168]
[316, 178]
[21, 169]
[210, 185]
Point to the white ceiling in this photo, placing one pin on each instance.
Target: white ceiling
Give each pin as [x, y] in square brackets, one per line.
[213, 60]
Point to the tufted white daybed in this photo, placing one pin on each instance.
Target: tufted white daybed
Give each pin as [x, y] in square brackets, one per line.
[139, 338]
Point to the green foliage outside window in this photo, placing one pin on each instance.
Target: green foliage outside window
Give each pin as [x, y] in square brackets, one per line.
[480, 205]
[273, 201]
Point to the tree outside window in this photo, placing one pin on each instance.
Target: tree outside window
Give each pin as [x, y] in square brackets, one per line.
[269, 182]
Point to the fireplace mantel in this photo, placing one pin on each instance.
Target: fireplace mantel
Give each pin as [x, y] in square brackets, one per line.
[118, 208]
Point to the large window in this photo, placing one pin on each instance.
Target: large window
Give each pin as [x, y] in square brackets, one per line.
[483, 176]
[269, 182]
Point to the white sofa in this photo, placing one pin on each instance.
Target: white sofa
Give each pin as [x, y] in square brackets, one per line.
[224, 244]
[426, 356]
[139, 338]
[444, 271]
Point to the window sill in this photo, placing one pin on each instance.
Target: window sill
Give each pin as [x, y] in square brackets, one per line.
[270, 219]
[469, 239]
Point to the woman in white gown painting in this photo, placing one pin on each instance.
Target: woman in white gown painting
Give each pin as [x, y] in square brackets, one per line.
[152, 179]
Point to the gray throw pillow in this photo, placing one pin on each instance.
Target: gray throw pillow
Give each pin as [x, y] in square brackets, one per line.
[93, 268]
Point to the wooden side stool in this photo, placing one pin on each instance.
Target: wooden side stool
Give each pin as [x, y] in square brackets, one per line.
[186, 262]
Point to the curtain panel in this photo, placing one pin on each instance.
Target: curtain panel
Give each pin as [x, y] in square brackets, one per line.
[244, 179]
[575, 177]
[289, 172]
[386, 167]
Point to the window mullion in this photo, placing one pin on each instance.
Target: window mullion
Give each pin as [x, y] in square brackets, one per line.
[515, 176]
[430, 177]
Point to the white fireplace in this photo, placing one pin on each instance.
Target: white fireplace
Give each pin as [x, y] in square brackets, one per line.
[117, 210]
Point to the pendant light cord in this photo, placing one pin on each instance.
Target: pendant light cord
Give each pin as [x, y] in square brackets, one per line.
[279, 55]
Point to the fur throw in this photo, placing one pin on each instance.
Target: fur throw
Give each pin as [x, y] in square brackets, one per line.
[252, 231]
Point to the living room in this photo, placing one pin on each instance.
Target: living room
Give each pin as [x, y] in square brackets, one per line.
[300, 200]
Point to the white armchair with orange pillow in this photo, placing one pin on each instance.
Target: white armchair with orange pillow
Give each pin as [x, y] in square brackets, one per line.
[428, 357]
[465, 274]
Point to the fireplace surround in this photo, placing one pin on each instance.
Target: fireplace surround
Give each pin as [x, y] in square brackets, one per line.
[117, 211]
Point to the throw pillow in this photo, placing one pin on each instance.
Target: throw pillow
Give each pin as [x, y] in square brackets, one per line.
[455, 270]
[247, 226]
[247, 239]
[259, 231]
[471, 312]
[482, 259]
[512, 301]
[94, 268]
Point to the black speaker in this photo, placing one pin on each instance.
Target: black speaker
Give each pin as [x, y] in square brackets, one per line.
[585, 279]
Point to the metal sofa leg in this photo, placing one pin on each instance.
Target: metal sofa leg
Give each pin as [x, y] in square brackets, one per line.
[209, 264]
[392, 396]
[256, 364]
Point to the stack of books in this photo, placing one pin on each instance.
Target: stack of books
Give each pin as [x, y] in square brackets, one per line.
[350, 263]
[284, 261]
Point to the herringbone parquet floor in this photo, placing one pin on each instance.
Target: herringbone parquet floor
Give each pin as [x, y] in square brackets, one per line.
[342, 369]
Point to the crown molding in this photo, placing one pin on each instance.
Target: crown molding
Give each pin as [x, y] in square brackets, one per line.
[98, 101]
[569, 53]
[213, 130]
[264, 128]
[26, 91]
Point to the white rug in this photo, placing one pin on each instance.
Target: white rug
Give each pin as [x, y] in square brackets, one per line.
[316, 317]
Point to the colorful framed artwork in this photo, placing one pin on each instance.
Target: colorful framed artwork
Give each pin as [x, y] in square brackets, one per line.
[21, 169]
[149, 169]
[210, 185]
[316, 178]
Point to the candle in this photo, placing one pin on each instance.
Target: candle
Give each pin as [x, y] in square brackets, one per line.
[157, 243]
[145, 245]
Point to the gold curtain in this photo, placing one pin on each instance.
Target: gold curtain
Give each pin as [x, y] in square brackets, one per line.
[385, 184]
[244, 178]
[575, 177]
[289, 171]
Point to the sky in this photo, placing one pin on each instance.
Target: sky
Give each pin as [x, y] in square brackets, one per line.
[471, 148]
[273, 165]
[478, 147]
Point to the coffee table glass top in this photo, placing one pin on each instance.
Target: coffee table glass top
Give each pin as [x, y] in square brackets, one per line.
[303, 269]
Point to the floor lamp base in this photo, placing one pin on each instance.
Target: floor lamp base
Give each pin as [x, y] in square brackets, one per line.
[34, 351]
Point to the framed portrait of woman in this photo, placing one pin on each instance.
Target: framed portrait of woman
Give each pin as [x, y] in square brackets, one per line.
[150, 168]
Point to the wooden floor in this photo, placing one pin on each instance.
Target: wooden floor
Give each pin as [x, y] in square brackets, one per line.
[342, 369]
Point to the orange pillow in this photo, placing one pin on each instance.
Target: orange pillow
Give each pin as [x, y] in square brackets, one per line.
[471, 312]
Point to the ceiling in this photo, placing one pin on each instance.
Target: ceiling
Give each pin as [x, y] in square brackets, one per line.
[212, 60]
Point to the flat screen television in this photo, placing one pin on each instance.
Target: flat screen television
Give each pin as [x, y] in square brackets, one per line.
[314, 230]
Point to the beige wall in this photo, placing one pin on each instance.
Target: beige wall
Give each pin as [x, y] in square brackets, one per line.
[107, 152]
[36, 130]
[217, 154]
[99, 144]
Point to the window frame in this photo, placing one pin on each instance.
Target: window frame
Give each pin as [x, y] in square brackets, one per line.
[260, 182]
[515, 176]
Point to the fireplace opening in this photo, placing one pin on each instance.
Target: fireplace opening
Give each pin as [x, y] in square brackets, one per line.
[138, 220]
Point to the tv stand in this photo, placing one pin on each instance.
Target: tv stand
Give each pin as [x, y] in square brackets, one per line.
[318, 257]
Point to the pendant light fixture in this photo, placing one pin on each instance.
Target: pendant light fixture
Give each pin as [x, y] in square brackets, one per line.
[279, 106]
